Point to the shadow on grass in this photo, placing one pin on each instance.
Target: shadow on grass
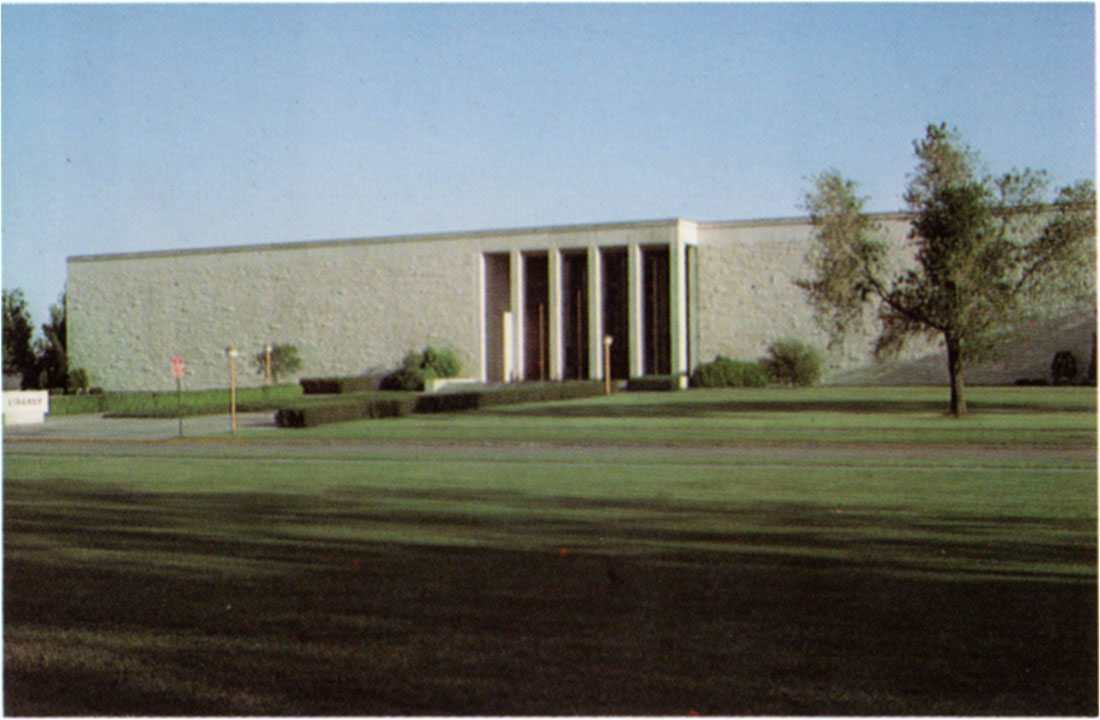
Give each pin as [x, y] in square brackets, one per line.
[192, 604]
[672, 408]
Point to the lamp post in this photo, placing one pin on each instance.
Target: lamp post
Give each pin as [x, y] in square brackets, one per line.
[231, 353]
[267, 363]
[607, 340]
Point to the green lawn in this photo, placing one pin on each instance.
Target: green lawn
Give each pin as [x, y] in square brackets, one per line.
[170, 404]
[733, 552]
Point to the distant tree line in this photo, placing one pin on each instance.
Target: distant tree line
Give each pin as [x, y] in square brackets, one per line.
[40, 363]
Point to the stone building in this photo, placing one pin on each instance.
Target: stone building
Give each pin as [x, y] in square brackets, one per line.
[521, 304]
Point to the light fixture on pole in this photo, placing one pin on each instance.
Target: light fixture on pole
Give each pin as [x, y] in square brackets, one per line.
[607, 340]
[231, 353]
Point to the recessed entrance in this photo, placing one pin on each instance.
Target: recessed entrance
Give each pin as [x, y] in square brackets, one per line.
[574, 291]
[655, 301]
[536, 318]
[616, 317]
[498, 302]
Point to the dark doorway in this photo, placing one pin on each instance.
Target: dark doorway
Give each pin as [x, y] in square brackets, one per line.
[536, 316]
[657, 337]
[616, 301]
[574, 321]
[498, 300]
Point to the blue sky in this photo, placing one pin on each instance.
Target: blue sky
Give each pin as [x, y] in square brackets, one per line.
[147, 127]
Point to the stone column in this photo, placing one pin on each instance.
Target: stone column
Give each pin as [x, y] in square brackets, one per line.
[516, 268]
[678, 299]
[635, 314]
[595, 314]
[555, 324]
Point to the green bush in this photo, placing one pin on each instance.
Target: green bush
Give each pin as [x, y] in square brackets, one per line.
[793, 362]
[77, 381]
[1063, 370]
[284, 361]
[418, 367]
[724, 372]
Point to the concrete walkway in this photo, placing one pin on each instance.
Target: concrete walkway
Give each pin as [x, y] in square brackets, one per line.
[97, 427]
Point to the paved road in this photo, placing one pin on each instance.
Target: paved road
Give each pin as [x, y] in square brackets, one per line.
[97, 427]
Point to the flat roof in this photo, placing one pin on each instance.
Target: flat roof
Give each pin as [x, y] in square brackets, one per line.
[453, 235]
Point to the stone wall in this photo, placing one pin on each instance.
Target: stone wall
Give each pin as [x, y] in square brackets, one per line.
[349, 308]
[747, 298]
[357, 306]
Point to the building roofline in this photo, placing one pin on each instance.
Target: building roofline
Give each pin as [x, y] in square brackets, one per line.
[456, 235]
[800, 220]
[379, 240]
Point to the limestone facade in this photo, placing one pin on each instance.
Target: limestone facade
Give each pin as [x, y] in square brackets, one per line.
[514, 304]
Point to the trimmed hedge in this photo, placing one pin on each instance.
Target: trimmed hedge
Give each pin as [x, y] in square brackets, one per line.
[653, 383]
[383, 407]
[337, 385]
[474, 399]
[343, 411]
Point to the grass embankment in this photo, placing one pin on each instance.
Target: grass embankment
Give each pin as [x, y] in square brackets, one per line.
[562, 569]
[167, 404]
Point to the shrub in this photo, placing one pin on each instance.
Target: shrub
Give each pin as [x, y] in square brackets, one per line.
[77, 381]
[1063, 369]
[284, 360]
[793, 362]
[417, 367]
[724, 372]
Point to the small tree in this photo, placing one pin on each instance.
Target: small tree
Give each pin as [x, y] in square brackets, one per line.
[989, 253]
[284, 361]
[19, 357]
[793, 362]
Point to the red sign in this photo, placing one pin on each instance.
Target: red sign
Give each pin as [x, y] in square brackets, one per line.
[177, 367]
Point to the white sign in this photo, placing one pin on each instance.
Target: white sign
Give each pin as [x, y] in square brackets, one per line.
[26, 407]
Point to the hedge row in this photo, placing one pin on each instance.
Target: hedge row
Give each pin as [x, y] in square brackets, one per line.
[653, 383]
[337, 385]
[343, 411]
[375, 407]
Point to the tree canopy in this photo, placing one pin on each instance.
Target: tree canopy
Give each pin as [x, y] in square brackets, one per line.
[19, 358]
[989, 253]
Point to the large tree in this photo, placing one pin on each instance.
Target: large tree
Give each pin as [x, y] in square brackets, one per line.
[52, 351]
[989, 254]
[19, 355]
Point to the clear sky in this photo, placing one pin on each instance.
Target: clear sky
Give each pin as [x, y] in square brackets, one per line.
[150, 127]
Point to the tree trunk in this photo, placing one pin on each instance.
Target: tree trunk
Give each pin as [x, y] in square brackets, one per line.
[955, 372]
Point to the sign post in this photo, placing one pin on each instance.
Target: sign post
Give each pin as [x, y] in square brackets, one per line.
[177, 371]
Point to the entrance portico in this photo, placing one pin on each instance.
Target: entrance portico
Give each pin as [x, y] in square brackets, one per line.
[548, 306]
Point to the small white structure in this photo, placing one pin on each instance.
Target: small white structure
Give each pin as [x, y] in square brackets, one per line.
[26, 407]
